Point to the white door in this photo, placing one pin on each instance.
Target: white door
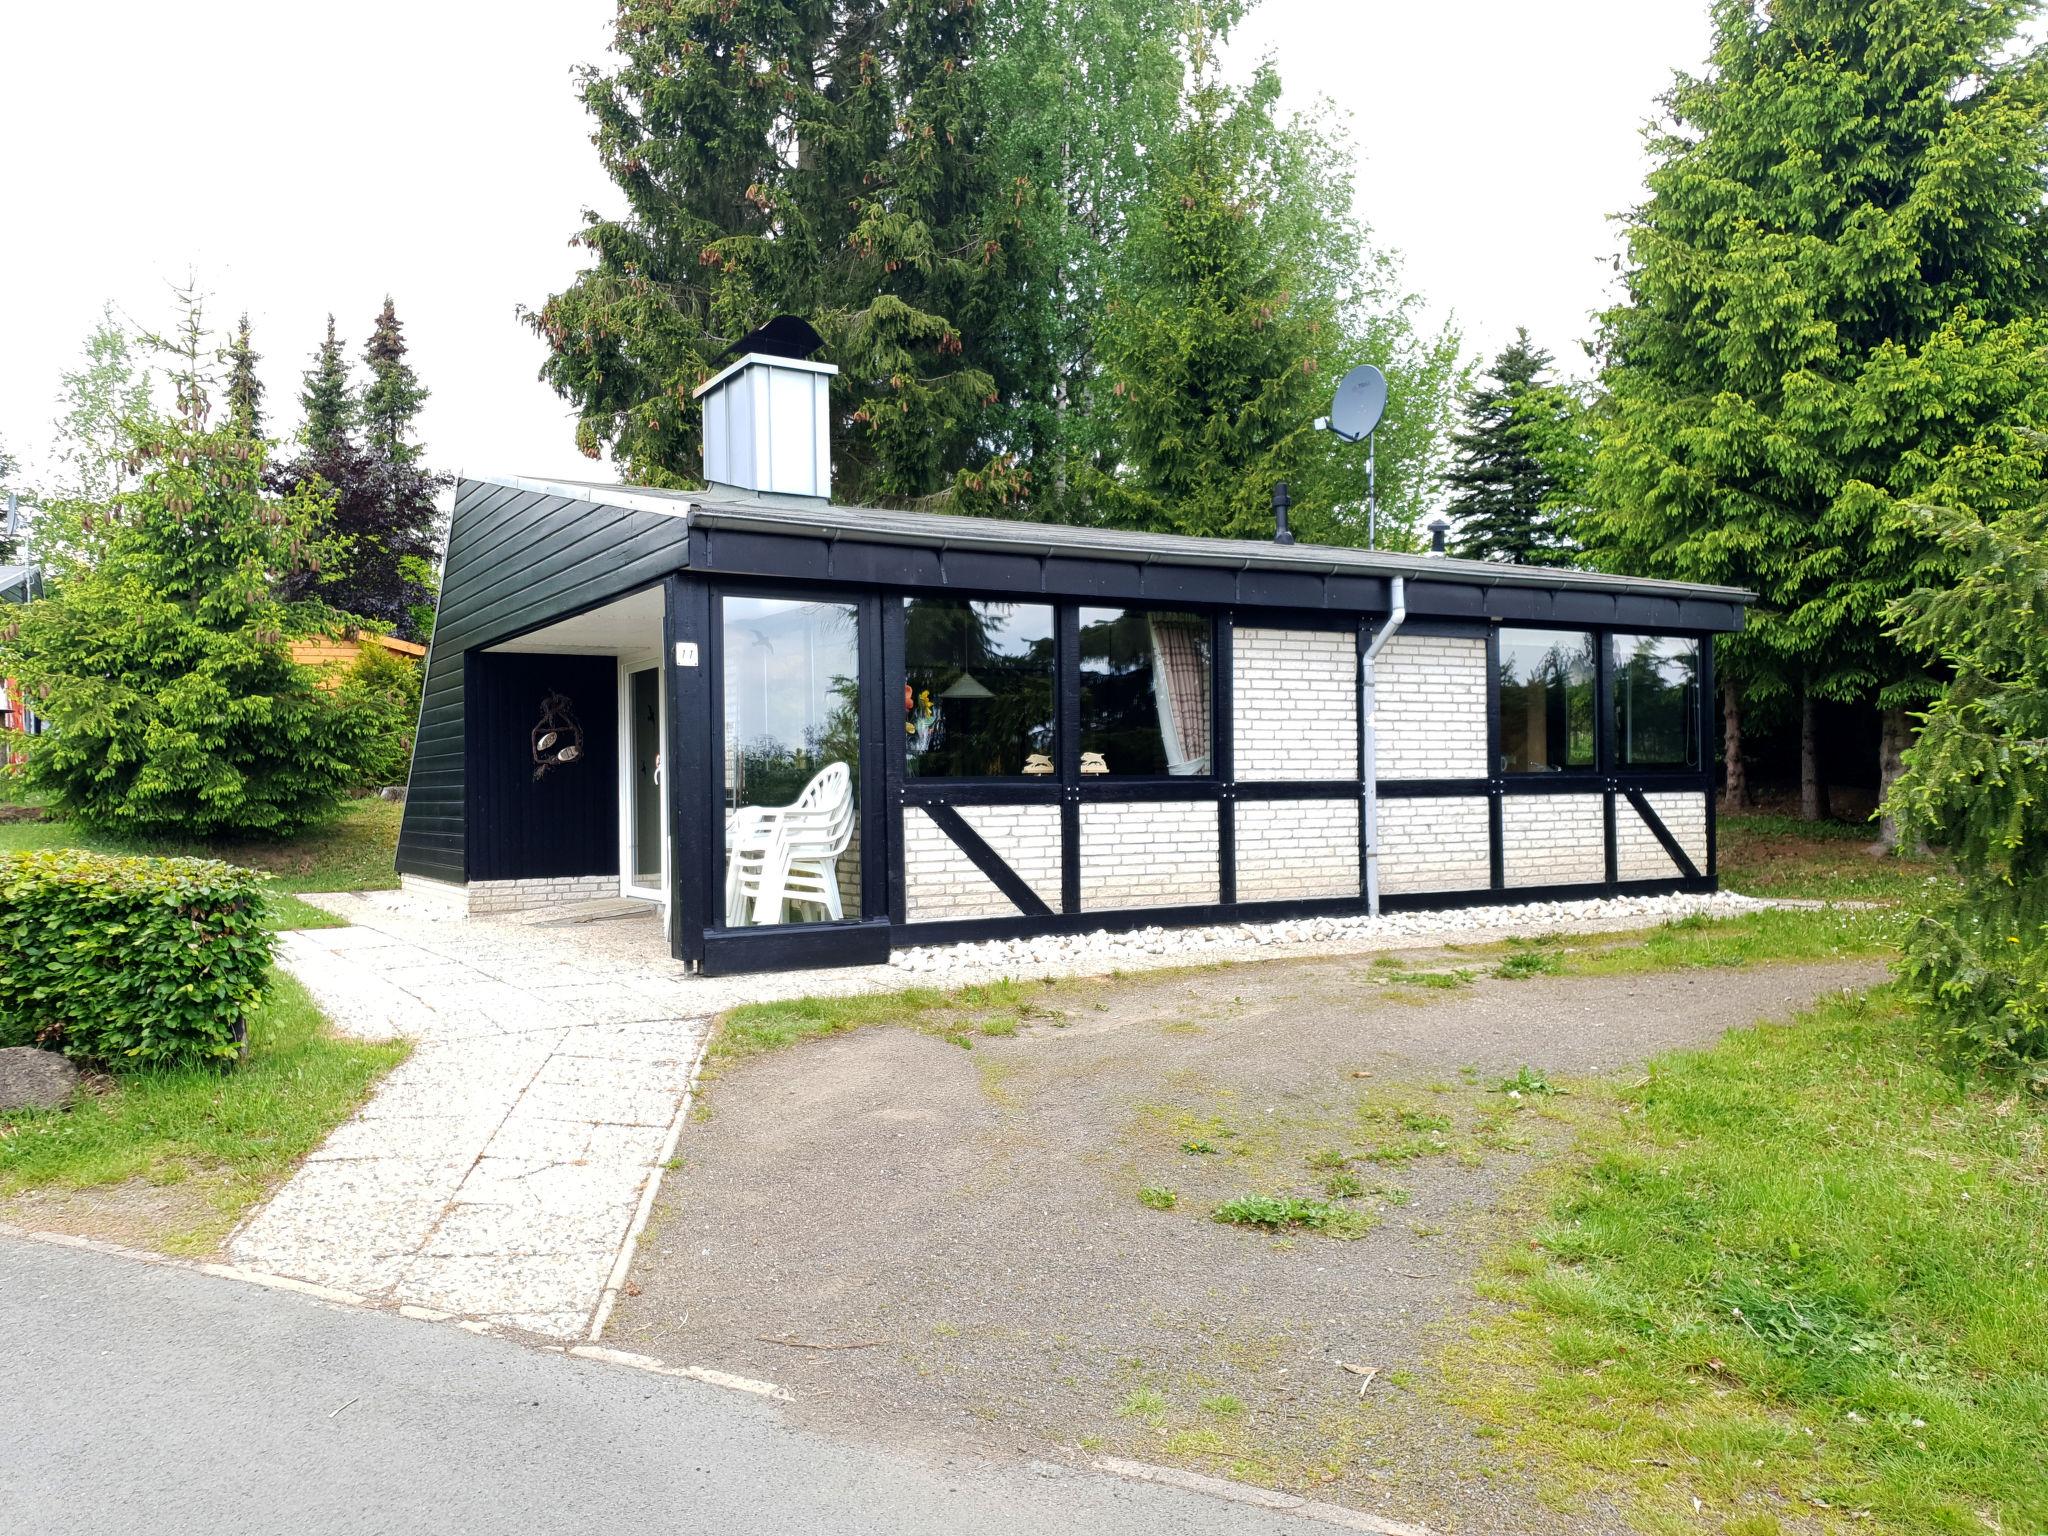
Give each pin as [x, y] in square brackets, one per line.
[644, 845]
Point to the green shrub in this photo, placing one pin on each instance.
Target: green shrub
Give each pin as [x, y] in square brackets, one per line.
[382, 691]
[129, 962]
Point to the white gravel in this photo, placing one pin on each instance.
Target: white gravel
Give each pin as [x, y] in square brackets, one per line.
[1093, 954]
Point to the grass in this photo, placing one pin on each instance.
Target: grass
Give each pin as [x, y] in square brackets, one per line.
[1769, 855]
[228, 1137]
[1800, 1277]
[992, 1009]
[1154, 1198]
[352, 851]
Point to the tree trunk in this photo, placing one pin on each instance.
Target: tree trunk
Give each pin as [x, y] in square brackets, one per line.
[1895, 734]
[1813, 788]
[1735, 790]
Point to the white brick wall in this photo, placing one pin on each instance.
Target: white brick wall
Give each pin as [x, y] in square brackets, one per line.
[1431, 712]
[491, 896]
[1637, 853]
[1296, 704]
[1296, 850]
[1553, 839]
[1434, 845]
[1149, 854]
[939, 881]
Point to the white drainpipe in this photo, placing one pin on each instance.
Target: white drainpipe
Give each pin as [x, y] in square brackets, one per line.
[1368, 706]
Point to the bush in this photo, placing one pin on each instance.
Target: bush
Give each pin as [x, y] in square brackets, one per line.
[382, 692]
[1976, 784]
[129, 962]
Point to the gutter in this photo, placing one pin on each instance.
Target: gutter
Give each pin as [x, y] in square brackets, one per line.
[1369, 746]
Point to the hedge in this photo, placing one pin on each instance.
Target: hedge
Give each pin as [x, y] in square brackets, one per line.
[130, 962]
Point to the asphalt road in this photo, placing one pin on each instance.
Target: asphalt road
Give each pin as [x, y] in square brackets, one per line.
[137, 1397]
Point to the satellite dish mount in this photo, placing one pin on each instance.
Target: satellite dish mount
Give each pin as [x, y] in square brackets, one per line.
[1354, 414]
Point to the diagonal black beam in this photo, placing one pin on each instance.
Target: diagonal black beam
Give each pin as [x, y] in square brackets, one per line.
[987, 860]
[1663, 835]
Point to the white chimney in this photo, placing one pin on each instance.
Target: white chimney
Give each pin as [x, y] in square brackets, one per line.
[768, 426]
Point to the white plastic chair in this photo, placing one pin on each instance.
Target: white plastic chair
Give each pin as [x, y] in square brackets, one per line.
[779, 856]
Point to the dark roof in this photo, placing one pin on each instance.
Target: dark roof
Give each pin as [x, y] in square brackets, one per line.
[726, 507]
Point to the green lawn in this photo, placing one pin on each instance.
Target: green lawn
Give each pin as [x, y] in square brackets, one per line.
[351, 852]
[218, 1140]
[1798, 1278]
[1767, 855]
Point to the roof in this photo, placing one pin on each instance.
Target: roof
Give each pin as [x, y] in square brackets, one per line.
[726, 507]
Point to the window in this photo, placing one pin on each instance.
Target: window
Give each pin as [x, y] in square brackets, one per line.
[1144, 693]
[1546, 701]
[1656, 701]
[978, 690]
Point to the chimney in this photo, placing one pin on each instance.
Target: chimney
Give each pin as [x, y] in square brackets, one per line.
[768, 415]
[1437, 530]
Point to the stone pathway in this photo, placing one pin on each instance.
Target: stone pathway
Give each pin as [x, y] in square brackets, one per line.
[501, 1171]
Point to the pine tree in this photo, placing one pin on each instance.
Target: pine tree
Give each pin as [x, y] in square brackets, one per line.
[1506, 493]
[1241, 292]
[245, 389]
[786, 156]
[327, 397]
[1847, 205]
[394, 395]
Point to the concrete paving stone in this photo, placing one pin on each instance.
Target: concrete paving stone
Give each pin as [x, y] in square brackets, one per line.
[346, 1266]
[529, 1138]
[551, 1188]
[416, 1138]
[608, 1002]
[608, 1073]
[619, 1104]
[480, 1230]
[526, 1283]
[434, 973]
[654, 1042]
[640, 1144]
[553, 1325]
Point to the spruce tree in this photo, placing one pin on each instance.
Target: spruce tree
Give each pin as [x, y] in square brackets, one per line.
[245, 389]
[1846, 205]
[394, 395]
[1506, 493]
[784, 156]
[327, 397]
[1241, 292]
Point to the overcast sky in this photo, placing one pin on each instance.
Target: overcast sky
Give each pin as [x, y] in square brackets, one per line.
[302, 159]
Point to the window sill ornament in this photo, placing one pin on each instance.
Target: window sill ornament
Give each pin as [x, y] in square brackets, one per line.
[557, 739]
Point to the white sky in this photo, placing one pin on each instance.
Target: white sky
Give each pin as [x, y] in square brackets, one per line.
[306, 158]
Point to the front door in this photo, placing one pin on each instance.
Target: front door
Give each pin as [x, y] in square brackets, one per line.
[645, 864]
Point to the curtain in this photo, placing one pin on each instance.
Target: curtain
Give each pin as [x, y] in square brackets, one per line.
[1180, 689]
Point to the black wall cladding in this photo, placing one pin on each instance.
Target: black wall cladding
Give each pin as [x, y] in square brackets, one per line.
[565, 819]
[517, 559]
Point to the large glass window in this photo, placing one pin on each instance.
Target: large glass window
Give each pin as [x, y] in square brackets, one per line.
[792, 760]
[1547, 709]
[1656, 701]
[1144, 692]
[978, 690]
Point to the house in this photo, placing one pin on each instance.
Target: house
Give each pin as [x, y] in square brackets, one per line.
[342, 650]
[18, 584]
[813, 731]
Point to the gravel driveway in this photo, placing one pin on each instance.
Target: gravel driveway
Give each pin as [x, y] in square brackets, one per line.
[947, 1247]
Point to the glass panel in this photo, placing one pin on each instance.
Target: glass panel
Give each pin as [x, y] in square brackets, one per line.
[645, 704]
[1656, 701]
[1546, 701]
[792, 760]
[1144, 693]
[978, 695]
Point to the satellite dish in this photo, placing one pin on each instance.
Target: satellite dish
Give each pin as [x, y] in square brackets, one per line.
[1361, 400]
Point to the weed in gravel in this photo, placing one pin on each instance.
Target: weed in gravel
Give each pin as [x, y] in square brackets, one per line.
[1280, 1213]
[1524, 963]
[1223, 1405]
[1422, 1120]
[1442, 981]
[1527, 1083]
[1158, 1199]
[1147, 1403]
[1201, 1148]
[1342, 1186]
[1326, 1157]
[1406, 1150]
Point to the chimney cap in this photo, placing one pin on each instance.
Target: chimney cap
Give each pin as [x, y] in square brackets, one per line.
[784, 336]
[1437, 530]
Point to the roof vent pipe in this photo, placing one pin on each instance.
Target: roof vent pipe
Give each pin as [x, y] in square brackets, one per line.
[1437, 530]
[1282, 534]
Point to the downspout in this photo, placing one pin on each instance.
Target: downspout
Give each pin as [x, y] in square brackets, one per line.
[1368, 706]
